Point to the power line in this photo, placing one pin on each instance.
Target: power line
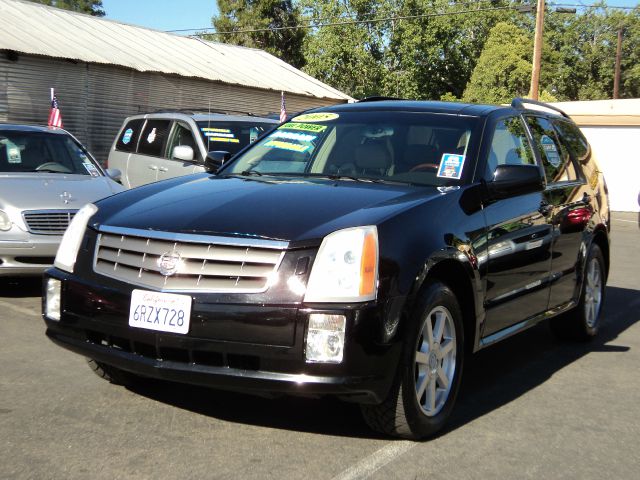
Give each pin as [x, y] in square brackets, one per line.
[359, 22]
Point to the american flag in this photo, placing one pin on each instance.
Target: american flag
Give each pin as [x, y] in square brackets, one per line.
[283, 109]
[55, 117]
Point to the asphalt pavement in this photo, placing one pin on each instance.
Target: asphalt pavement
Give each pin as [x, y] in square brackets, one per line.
[530, 407]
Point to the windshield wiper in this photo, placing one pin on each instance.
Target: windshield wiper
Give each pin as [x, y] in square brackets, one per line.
[248, 173]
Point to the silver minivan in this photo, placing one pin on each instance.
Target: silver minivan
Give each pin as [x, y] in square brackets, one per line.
[157, 146]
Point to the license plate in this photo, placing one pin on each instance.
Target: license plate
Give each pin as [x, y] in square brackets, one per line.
[164, 312]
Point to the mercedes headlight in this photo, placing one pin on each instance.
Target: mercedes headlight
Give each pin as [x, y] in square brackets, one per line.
[72, 238]
[346, 267]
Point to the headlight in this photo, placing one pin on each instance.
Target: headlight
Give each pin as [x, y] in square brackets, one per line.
[5, 222]
[72, 238]
[346, 267]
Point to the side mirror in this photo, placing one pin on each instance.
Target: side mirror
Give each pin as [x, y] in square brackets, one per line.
[215, 159]
[114, 173]
[511, 180]
[182, 152]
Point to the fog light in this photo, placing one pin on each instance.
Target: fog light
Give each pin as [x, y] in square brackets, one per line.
[52, 299]
[325, 338]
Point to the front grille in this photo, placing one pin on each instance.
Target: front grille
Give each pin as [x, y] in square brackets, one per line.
[48, 222]
[201, 263]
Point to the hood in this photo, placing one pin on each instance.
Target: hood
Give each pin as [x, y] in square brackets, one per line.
[40, 191]
[295, 210]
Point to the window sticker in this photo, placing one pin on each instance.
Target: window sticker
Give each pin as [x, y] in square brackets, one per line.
[126, 138]
[451, 166]
[254, 133]
[287, 146]
[550, 150]
[91, 169]
[152, 136]
[306, 127]
[219, 134]
[300, 137]
[13, 154]
[316, 117]
[217, 130]
[223, 139]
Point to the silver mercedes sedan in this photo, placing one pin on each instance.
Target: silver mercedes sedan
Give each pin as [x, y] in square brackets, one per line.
[46, 175]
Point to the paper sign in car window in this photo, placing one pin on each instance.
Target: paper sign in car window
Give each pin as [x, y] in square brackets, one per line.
[550, 150]
[254, 133]
[316, 117]
[13, 155]
[126, 138]
[296, 136]
[287, 146]
[219, 134]
[451, 166]
[223, 139]
[91, 169]
[152, 136]
[217, 130]
[306, 127]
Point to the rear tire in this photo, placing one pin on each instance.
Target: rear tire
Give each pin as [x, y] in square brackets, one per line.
[111, 374]
[428, 378]
[583, 322]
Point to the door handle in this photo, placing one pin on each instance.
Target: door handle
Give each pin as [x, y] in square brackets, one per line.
[153, 167]
[163, 169]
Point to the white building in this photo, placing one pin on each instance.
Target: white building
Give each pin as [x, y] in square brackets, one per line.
[613, 130]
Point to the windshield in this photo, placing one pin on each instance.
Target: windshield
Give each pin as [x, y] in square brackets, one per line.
[231, 136]
[417, 148]
[43, 152]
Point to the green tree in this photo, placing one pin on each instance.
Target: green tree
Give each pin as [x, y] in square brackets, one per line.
[91, 7]
[266, 18]
[504, 67]
[348, 56]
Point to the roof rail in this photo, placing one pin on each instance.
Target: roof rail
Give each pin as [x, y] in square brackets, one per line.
[204, 111]
[377, 99]
[520, 103]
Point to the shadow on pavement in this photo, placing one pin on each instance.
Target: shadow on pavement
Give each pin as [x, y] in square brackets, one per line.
[493, 378]
[21, 287]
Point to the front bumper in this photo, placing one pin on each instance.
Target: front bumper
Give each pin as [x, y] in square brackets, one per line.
[29, 255]
[251, 348]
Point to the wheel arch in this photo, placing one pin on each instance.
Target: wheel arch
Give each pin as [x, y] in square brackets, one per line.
[457, 276]
[601, 239]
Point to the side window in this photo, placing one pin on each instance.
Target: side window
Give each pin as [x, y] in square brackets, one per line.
[571, 135]
[154, 138]
[181, 135]
[556, 160]
[128, 138]
[509, 146]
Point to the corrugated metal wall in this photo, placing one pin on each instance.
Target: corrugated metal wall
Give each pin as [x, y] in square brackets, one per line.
[94, 99]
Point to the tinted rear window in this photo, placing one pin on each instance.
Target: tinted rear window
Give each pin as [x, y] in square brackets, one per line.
[129, 135]
[154, 138]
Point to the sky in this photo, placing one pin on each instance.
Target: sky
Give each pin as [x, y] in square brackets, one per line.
[162, 14]
[196, 14]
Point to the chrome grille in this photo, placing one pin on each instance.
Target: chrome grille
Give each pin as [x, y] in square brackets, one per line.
[213, 264]
[48, 222]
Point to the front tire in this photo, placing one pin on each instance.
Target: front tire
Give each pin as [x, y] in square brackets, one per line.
[428, 378]
[583, 322]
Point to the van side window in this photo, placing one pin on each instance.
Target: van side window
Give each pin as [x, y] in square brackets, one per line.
[154, 138]
[556, 160]
[129, 135]
[182, 135]
[509, 146]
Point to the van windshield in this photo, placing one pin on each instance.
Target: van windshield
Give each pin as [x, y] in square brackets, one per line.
[409, 147]
[231, 136]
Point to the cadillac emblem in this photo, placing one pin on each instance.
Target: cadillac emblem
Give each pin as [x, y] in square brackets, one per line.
[169, 263]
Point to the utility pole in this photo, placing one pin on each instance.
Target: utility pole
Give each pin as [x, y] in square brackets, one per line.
[537, 51]
[616, 77]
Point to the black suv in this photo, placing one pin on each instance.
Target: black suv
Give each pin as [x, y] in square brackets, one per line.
[362, 250]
